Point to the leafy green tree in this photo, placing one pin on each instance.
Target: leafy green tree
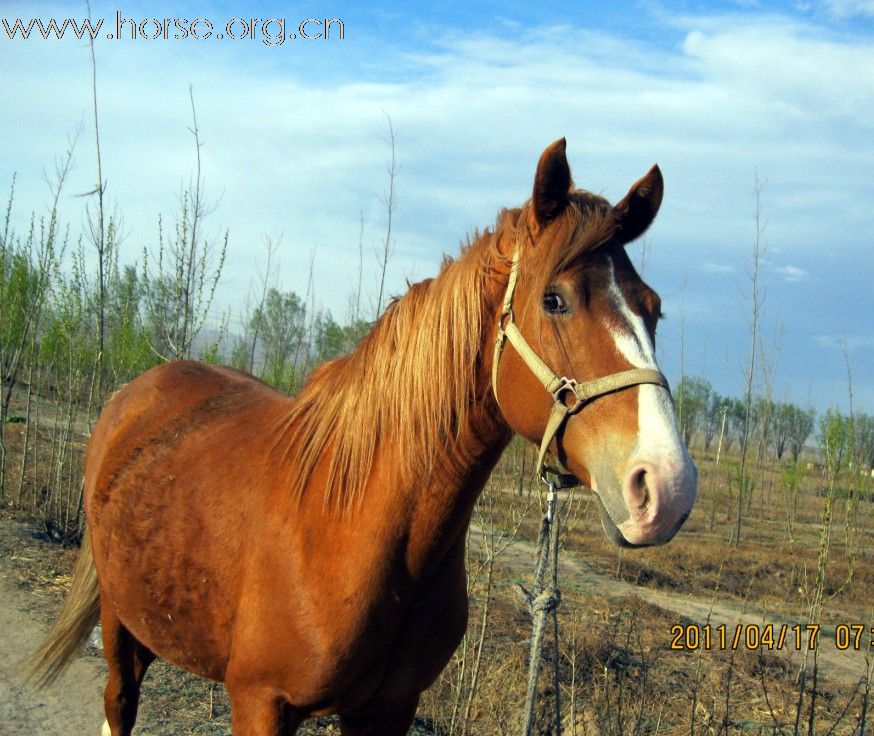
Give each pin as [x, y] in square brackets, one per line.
[865, 441]
[737, 414]
[791, 427]
[761, 419]
[19, 284]
[836, 440]
[128, 348]
[800, 428]
[240, 357]
[693, 396]
[331, 339]
[717, 408]
[782, 419]
[281, 324]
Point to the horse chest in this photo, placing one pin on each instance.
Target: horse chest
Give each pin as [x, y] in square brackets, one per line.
[374, 645]
[428, 629]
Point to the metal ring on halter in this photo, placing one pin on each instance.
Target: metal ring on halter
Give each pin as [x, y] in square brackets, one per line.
[568, 384]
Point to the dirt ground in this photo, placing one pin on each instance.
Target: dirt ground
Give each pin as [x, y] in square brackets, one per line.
[73, 705]
[846, 667]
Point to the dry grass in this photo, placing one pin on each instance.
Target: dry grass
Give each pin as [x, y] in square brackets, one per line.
[769, 568]
[618, 673]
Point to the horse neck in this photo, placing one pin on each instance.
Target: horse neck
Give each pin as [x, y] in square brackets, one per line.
[408, 422]
[482, 427]
[462, 468]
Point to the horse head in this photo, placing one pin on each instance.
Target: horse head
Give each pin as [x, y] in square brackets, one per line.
[574, 367]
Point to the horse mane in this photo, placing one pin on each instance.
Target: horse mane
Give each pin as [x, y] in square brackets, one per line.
[411, 381]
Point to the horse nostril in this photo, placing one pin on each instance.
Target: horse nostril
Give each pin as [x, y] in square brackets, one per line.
[639, 484]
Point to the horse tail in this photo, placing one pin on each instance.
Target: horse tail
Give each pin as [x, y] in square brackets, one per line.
[78, 617]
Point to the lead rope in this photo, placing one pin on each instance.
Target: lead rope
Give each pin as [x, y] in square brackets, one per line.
[542, 602]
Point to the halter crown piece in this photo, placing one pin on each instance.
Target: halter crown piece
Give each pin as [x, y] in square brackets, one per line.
[558, 387]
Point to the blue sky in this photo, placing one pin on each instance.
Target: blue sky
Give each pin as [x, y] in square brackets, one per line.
[295, 145]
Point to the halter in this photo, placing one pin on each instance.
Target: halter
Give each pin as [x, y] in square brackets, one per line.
[558, 387]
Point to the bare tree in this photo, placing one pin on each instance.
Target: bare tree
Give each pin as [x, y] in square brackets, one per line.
[850, 530]
[389, 201]
[756, 303]
[768, 363]
[97, 222]
[682, 343]
[180, 285]
[356, 307]
[266, 279]
[301, 350]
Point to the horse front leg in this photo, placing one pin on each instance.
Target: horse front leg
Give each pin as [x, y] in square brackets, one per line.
[261, 711]
[396, 723]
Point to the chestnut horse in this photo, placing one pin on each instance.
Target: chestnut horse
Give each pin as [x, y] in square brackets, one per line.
[309, 551]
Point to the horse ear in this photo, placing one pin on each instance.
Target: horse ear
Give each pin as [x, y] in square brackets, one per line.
[552, 182]
[635, 213]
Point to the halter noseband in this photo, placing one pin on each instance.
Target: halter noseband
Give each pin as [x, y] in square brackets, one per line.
[558, 386]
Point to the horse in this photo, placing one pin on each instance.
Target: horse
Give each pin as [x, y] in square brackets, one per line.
[309, 551]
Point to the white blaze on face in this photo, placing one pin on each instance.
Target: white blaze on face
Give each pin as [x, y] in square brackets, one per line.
[658, 436]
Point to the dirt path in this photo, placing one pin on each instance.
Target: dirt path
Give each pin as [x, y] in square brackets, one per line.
[73, 706]
[846, 667]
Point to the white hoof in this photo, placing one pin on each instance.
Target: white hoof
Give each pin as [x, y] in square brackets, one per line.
[105, 731]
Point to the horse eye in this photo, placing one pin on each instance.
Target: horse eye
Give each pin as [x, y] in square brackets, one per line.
[554, 304]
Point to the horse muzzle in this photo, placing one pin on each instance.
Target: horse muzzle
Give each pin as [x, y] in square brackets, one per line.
[655, 500]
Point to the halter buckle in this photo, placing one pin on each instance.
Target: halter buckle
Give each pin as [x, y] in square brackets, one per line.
[568, 384]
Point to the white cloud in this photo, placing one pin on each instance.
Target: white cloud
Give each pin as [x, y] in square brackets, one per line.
[844, 9]
[850, 342]
[719, 268]
[792, 274]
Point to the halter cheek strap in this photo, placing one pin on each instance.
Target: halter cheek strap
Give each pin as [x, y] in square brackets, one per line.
[558, 387]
